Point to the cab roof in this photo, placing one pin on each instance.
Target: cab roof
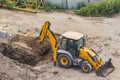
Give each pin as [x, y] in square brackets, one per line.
[72, 35]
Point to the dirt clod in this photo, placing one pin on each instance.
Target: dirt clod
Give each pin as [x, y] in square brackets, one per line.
[55, 72]
[116, 54]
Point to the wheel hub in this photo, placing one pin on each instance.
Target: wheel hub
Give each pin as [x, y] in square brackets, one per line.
[64, 61]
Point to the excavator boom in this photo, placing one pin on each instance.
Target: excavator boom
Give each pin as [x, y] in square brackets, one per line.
[47, 32]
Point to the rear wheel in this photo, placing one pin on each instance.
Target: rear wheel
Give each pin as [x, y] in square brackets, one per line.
[86, 67]
[64, 60]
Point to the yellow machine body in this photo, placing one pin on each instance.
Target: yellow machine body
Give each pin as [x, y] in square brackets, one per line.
[87, 58]
[85, 53]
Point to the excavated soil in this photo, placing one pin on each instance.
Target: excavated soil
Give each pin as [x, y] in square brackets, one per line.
[25, 49]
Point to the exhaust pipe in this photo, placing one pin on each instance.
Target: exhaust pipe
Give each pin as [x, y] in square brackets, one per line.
[105, 69]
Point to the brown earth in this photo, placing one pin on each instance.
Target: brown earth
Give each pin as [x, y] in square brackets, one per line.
[103, 36]
[25, 49]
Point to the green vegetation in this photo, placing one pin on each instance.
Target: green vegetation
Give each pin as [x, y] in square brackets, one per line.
[10, 5]
[50, 6]
[103, 8]
[80, 5]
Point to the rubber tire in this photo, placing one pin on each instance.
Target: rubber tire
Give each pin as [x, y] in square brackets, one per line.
[88, 66]
[69, 60]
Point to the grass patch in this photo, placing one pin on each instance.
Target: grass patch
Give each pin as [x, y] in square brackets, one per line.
[103, 8]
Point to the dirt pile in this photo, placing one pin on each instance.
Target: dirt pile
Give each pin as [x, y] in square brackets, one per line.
[25, 49]
[12, 70]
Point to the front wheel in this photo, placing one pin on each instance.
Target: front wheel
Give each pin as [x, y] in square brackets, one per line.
[86, 67]
[64, 60]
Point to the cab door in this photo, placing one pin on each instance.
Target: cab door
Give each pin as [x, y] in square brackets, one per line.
[72, 48]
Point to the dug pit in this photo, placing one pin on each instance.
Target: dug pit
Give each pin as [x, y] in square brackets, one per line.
[25, 49]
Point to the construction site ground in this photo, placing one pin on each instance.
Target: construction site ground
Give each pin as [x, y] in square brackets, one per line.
[23, 59]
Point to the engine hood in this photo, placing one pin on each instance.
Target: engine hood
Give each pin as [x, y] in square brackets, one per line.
[88, 51]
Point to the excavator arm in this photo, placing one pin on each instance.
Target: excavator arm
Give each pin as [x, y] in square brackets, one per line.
[47, 32]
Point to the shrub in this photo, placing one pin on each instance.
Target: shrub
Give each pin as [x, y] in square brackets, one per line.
[80, 5]
[108, 8]
[49, 6]
[104, 8]
[90, 10]
[10, 4]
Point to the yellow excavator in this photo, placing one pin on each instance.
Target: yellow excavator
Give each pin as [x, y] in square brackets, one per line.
[72, 51]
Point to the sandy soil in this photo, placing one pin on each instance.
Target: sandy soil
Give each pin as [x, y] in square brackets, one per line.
[103, 36]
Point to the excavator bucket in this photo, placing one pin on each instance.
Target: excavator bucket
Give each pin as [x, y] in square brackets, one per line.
[106, 69]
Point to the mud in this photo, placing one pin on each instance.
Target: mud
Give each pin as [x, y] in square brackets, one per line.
[25, 49]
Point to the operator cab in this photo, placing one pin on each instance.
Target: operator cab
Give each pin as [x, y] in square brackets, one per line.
[72, 42]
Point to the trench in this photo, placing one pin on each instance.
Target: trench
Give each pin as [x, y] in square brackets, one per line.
[25, 49]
